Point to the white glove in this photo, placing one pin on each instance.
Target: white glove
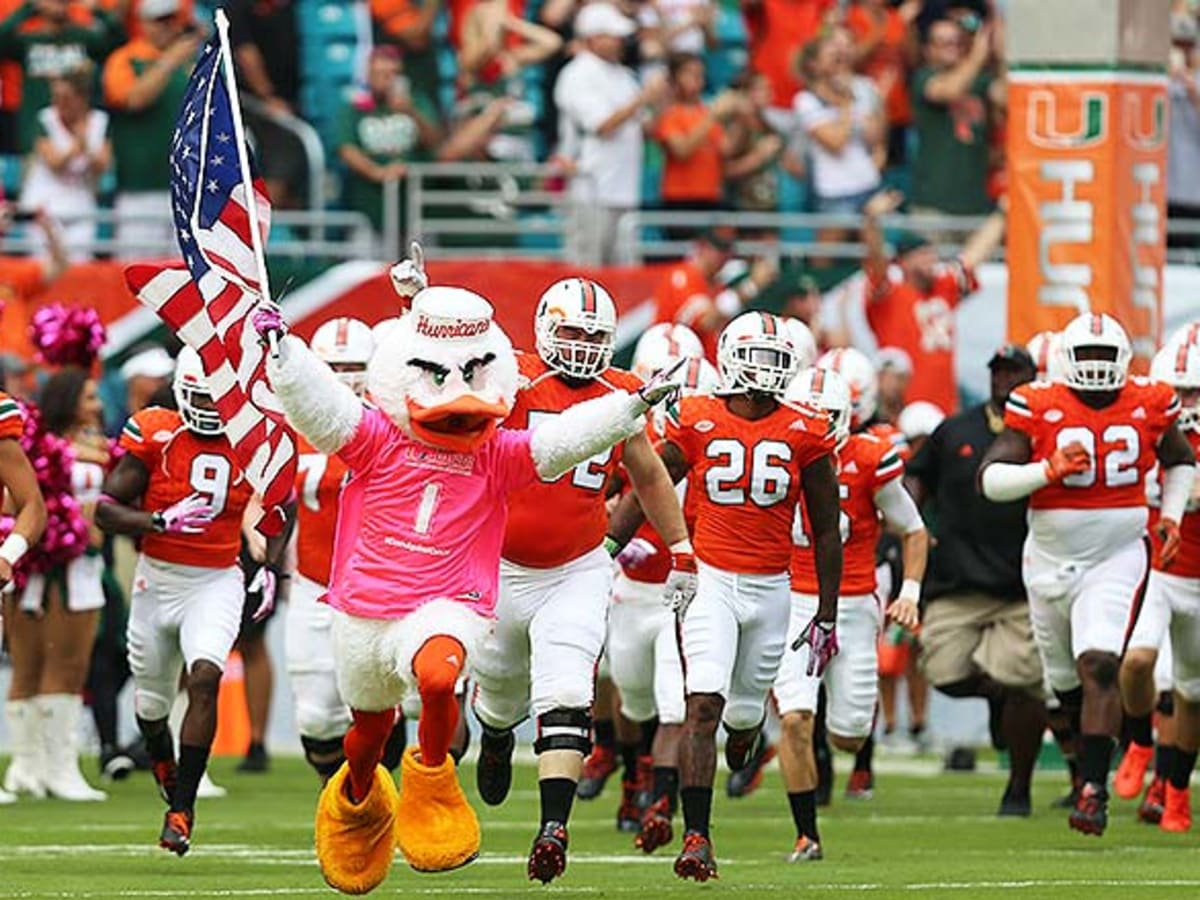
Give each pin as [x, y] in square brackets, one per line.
[635, 553]
[408, 275]
[191, 515]
[680, 588]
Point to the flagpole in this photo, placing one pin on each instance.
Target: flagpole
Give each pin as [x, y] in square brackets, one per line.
[239, 133]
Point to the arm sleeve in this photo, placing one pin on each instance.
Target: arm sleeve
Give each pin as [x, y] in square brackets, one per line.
[889, 468]
[1004, 482]
[318, 405]
[583, 430]
[1177, 484]
[137, 438]
[118, 80]
[898, 507]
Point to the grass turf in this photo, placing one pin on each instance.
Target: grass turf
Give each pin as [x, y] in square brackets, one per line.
[921, 836]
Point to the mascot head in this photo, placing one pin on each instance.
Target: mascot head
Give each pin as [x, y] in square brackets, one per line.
[445, 373]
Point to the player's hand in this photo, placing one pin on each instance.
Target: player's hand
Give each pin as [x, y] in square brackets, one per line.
[267, 320]
[191, 515]
[822, 641]
[662, 384]
[635, 553]
[905, 613]
[1167, 531]
[1072, 459]
[680, 589]
[408, 275]
[266, 581]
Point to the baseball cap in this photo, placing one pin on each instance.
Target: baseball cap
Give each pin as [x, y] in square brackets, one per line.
[152, 362]
[894, 358]
[1012, 355]
[602, 18]
[158, 9]
[908, 241]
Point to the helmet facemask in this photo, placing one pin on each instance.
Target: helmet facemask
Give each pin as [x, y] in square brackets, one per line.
[583, 351]
[1096, 367]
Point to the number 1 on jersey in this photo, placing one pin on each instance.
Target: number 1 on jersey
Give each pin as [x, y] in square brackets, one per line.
[429, 502]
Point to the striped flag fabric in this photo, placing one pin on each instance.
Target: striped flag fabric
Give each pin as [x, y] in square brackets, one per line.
[213, 317]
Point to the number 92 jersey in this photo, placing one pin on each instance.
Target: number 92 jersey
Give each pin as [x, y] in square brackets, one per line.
[180, 464]
[1120, 438]
[745, 476]
[553, 522]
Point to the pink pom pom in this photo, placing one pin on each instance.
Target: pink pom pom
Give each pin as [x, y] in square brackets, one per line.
[67, 336]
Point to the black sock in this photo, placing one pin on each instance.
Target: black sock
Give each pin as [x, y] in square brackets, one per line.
[1095, 757]
[804, 814]
[646, 744]
[606, 733]
[1164, 755]
[862, 759]
[1139, 730]
[1182, 764]
[697, 808]
[192, 761]
[157, 736]
[557, 795]
[666, 784]
[629, 758]
[393, 748]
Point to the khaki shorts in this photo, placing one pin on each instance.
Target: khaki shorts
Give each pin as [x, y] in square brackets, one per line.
[965, 634]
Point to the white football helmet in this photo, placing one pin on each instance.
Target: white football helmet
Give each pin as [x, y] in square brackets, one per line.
[1046, 349]
[859, 373]
[346, 344]
[754, 353]
[189, 384]
[576, 303]
[1095, 330]
[1178, 364]
[662, 344]
[825, 389]
[803, 340]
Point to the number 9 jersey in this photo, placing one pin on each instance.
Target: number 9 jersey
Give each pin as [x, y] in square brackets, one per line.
[180, 463]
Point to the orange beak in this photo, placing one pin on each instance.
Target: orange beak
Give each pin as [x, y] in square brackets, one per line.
[462, 426]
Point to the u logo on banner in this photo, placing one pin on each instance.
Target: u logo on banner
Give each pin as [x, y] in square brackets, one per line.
[1142, 131]
[1045, 122]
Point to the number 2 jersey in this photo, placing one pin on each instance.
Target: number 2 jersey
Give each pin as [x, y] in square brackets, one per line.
[551, 523]
[865, 464]
[319, 481]
[182, 463]
[1086, 517]
[745, 475]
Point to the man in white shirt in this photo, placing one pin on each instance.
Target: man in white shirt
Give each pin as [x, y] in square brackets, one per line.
[600, 108]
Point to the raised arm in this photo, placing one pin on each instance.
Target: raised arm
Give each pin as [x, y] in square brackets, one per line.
[317, 404]
[652, 483]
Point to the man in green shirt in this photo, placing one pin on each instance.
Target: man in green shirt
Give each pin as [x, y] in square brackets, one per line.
[48, 39]
[951, 96]
[380, 134]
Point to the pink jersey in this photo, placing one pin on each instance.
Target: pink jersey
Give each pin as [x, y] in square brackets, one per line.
[417, 524]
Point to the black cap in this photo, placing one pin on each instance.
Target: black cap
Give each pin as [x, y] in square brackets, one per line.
[1013, 355]
[720, 237]
[908, 241]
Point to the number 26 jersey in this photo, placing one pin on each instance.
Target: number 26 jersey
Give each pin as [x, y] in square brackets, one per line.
[182, 463]
[745, 475]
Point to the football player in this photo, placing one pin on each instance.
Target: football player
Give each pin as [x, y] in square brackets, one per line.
[555, 571]
[179, 488]
[1081, 450]
[1163, 648]
[869, 472]
[749, 458]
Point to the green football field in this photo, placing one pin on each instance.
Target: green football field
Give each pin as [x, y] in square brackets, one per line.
[921, 836]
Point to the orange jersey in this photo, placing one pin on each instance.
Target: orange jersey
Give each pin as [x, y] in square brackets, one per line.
[1121, 439]
[865, 464]
[683, 296]
[1187, 563]
[180, 464]
[553, 522]
[745, 477]
[319, 480]
[893, 436]
[12, 420]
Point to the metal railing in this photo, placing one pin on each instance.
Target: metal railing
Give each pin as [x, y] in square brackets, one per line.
[309, 140]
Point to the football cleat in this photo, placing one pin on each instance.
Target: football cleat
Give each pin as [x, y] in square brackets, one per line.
[1131, 773]
[1090, 814]
[1015, 804]
[166, 774]
[861, 785]
[176, 834]
[629, 817]
[806, 850]
[1150, 810]
[548, 857]
[494, 771]
[696, 860]
[741, 749]
[597, 768]
[1067, 800]
[1177, 810]
[745, 781]
[656, 830]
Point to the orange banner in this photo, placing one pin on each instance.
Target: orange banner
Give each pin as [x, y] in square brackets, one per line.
[1087, 160]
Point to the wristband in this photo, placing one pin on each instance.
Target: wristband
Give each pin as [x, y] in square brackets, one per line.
[611, 547]
[158, 522]
[14, 547]
[910, 590]
[684, 546]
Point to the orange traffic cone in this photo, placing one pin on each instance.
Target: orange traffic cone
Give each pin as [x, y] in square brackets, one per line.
[233, 717]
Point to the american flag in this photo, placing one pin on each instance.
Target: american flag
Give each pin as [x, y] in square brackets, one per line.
[209, 302]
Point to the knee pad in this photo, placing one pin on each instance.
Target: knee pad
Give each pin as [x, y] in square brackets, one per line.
[741, 716]
[564, 729]
[1166, 704]
[152, 706]
[325, 755]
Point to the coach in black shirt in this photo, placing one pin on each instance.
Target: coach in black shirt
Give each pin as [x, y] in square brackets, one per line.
[976, 639]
